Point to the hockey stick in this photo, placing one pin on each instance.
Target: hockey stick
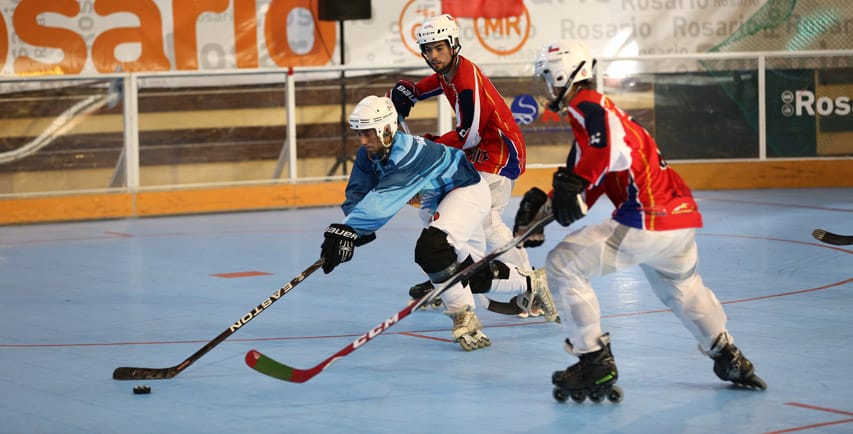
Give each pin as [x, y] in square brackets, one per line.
[830, 238]
[503, 307]
[402, 121]
[268, 366]
[130, 373]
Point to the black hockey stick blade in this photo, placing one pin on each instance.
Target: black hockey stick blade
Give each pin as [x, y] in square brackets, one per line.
[503, 307]
[133, 373]
[508, 308]
[831, 238]
[273, 368]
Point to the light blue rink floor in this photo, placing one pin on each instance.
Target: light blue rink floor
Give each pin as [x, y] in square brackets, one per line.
[78, 300]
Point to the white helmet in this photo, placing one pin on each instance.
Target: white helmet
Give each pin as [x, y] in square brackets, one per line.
[439, 28]
[561, 64]
[378, 113]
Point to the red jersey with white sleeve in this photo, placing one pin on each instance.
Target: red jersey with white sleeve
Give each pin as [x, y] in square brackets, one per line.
[619, 158]
[485, 128]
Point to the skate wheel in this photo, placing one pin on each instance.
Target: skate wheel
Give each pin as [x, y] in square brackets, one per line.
[483, 341]
[560, 395]
[596, 397]
[470, 342]
[615, 395]
[435, 304]
[473, 342]
[577, 396]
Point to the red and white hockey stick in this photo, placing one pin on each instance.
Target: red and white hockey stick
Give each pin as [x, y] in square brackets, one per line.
[269, 366]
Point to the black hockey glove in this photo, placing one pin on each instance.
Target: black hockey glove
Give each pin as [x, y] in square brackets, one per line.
[567, 203]
[338, 246]
[404, 95]
[532, 208]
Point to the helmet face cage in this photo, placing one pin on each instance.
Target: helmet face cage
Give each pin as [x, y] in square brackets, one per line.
[558, 66]
[377, 113]
[439, 28]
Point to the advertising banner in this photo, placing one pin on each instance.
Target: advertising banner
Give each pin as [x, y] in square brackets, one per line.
[75, 37]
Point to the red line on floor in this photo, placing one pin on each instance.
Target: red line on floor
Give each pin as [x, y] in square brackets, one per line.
[805, 427]
[762, 297]
[814, 407]
[781, 240]
[523, 323]
[814, 425]
[416, 335]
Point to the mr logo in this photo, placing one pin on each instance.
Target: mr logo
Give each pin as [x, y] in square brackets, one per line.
[525, 110]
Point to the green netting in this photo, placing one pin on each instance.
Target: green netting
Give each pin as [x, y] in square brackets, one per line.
[794, 25]
[787, 25]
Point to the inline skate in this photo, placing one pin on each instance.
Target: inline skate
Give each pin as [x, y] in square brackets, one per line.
[731, 365]
[593, 376]
[467, 330]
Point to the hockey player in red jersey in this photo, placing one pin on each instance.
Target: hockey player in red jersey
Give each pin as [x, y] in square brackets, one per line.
[653, 226]
[485, 129]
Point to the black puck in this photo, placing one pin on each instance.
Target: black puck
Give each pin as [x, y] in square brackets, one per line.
[141, 390]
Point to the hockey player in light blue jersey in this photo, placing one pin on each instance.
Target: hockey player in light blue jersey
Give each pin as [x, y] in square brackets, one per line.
[390, 168]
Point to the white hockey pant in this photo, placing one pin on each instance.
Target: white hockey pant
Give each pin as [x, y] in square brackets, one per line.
[668, 259]
[498, 234]
[496, 231]
[460, 215]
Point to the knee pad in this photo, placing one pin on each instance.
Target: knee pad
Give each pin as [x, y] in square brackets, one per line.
[481, 281]
[435, 255]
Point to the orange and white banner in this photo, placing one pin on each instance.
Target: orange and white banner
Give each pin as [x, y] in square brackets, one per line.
[73, 37]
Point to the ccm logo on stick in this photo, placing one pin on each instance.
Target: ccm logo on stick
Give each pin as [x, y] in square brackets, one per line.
[375, 331]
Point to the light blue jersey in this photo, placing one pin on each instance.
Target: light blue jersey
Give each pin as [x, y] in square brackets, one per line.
[378, 189]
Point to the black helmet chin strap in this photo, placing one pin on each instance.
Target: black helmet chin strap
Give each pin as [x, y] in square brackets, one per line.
[555, 105]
